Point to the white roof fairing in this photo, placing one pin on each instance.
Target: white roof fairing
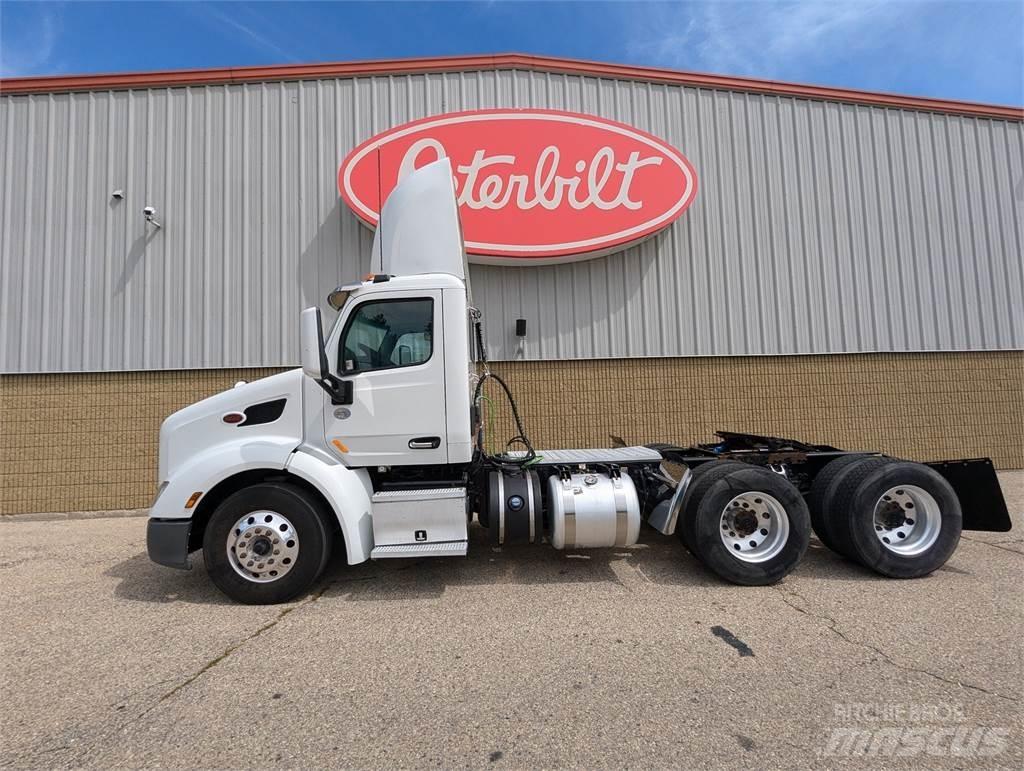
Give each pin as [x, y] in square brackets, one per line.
[419, 229]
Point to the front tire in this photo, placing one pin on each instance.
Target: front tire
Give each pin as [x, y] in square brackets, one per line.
[751, 526]
[266, 543]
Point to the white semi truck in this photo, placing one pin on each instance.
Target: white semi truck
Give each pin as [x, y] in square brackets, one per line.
[376, 447]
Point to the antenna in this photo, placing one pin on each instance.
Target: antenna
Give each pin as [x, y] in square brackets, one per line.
[380, 211]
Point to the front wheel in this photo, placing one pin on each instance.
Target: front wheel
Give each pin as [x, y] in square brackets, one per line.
[751, 526]
[266, 543]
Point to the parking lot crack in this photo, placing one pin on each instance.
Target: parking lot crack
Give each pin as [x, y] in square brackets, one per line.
[995, 545]
[833, 626]
[230, 650]
[235, 646]
[121, 702]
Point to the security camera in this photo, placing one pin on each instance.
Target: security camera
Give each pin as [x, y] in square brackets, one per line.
[150, 213]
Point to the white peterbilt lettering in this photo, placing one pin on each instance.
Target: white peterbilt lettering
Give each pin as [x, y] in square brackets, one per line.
[546, 188]
[532, 187]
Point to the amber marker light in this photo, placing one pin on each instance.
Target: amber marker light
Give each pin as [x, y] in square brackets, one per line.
[337, 443]
[193, 499]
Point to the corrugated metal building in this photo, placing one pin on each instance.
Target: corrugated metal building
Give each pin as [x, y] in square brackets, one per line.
[851, 270]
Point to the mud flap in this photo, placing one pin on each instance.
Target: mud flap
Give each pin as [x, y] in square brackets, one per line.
[977, 487]
[167, 542]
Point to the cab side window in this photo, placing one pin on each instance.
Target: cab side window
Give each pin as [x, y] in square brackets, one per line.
[385, 334]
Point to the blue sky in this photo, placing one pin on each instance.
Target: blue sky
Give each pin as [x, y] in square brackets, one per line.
[959, 50]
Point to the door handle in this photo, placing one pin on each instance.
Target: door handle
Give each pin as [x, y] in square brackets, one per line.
[425, 443]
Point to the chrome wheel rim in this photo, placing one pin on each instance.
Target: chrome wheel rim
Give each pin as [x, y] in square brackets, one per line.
[907, 520]
[263, 546]
[754, 527]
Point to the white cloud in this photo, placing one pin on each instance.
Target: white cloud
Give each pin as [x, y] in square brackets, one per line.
[32, 50]
[248, 31]
[757, 37]
[945, 48]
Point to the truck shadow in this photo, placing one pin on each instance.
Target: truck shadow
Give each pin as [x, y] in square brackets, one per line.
[144, 581]
[655, 560]
[485, 564]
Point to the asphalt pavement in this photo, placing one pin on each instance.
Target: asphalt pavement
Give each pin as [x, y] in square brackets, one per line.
[521, 657]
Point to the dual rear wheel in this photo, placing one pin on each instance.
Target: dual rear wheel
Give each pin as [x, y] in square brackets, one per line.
[750, 526]
[745, 523]
[898, 518]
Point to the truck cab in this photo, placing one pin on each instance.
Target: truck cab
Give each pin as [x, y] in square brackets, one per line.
[402, 343]
[386, 394]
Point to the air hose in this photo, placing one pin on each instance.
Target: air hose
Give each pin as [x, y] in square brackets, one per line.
[504, 461]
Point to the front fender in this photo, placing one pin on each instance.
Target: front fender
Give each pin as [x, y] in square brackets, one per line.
[348, 492]
[206, 469]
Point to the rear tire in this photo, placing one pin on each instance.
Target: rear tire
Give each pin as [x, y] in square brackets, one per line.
[702, 477]
[751, 526]
[266, 543]
[900, 519]
[821, 499]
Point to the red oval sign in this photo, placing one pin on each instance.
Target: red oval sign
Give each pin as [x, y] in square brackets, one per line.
[534, 186]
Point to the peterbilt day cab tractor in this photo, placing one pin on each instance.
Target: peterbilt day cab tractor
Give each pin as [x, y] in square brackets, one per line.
[377, 446]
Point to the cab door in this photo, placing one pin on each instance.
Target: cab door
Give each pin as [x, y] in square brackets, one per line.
[391, 347]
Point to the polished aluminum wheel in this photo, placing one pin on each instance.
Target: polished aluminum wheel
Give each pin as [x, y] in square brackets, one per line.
[754, 527]
[907, 520]
[263, 546]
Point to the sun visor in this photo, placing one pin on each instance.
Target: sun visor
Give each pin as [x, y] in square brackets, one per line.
[419, 229]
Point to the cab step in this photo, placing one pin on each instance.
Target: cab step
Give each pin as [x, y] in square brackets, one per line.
[443, 549]
[430, 522]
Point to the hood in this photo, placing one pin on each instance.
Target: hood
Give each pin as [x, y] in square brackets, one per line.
[196, 428]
